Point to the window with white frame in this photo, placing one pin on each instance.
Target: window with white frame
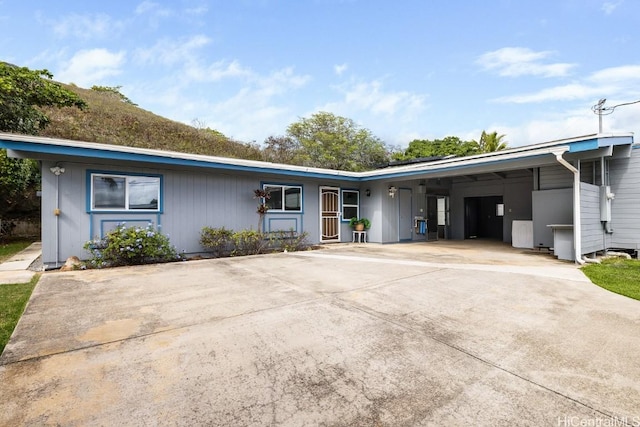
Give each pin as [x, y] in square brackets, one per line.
[350, 204]
[284, 198]
[113, 192]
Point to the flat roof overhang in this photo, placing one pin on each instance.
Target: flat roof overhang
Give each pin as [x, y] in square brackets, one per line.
[525, 157]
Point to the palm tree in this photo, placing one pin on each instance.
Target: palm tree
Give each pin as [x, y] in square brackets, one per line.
[490, 142]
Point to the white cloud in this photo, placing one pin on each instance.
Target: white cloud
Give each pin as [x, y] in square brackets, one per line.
[521, 61]
[89, 67]
[280, 81]
[172, 51]
[615, 81]
[557, 93]
[199, 10]
[339, 69]
[391, 115]
[569, 123]
[152, 8]
[154, 12]
[609, 6]
[85, 27]
[254, 107]
[217, 71]
[624, 73]
[371, 97]
[566, 125]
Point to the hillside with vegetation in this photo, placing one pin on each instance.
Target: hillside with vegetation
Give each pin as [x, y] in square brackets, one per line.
[111, 118]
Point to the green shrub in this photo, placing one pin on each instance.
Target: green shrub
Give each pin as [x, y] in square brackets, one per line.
[131, 246]
[218, 240]
[249, 242]
[288, 240]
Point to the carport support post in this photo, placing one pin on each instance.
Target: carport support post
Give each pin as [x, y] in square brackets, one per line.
[577, 225]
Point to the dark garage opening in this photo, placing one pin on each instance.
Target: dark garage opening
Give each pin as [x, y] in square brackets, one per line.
[483, 217]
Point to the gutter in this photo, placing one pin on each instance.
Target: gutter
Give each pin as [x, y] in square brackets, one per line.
[577, 224]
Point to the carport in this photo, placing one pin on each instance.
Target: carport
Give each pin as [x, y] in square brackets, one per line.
[556, 183]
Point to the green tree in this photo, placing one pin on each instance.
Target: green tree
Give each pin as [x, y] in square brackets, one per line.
[115, 92]
[335, 142]
[22, 92]
[490, 142]
[282, 149]
[448, 146]
[19, 181]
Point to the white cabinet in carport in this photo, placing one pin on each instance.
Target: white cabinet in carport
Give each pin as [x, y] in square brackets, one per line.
[522, 234]
[562, 241]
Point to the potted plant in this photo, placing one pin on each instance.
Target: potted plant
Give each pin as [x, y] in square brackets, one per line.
[359, 224]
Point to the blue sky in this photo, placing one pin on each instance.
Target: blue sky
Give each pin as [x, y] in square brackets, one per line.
[404, 69]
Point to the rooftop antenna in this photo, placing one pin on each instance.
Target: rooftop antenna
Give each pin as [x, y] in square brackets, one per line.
[601, 110]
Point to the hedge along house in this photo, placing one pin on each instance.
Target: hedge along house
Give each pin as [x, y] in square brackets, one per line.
[538, 194]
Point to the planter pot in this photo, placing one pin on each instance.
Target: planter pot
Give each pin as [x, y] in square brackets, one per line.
[359, 227]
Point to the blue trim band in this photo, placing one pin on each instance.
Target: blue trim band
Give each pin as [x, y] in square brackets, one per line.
[154, 159]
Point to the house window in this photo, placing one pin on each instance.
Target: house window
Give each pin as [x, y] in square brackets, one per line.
[284, 198]
[125, 192]
[350, 204]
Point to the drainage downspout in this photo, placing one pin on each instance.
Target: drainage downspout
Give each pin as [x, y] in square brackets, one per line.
[577, 225]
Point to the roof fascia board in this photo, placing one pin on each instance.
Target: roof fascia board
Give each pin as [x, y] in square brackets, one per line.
[496, 165]
[605, 151]
[523, 155]
[20, 148]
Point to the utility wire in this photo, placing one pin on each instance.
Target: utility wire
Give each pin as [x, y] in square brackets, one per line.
[601, 110]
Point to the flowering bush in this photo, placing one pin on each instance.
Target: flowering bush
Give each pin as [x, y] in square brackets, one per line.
[131, 246]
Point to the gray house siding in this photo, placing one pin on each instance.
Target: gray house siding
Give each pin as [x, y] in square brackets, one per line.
[191, 199]
[390, 215]
[591, 227]
[562, 201]
[624, 178]
[371, 207]
[553, 177]
[67, 237]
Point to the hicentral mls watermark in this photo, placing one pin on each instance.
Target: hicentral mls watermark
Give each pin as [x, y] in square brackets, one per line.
[578, 421]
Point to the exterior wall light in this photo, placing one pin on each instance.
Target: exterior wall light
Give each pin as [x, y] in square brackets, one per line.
[392, 191]
[57, 171]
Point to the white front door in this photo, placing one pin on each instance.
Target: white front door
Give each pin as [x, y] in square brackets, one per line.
[329, 214]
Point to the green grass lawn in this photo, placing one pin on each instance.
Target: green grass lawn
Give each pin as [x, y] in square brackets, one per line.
[8, 249]
[618, 275]
[13, 300]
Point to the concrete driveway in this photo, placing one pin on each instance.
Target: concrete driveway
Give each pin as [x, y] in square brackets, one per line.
[417, 334]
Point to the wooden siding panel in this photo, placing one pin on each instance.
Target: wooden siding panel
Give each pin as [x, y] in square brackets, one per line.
[591, 227]
[46, 215]
[624, 177]
[553, 177]
[191, 200]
